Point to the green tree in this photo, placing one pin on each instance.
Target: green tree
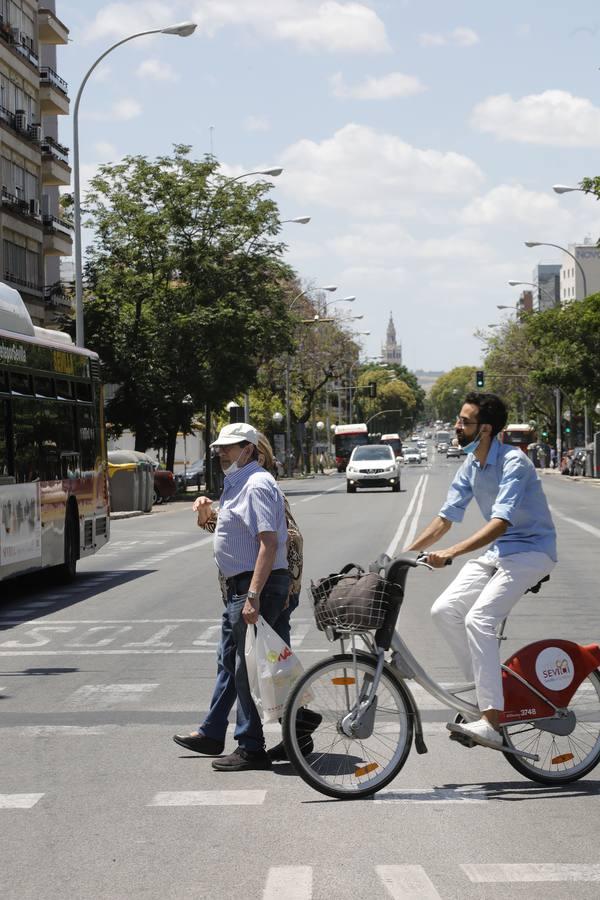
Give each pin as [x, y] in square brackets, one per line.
[186, 289]
[448, 392]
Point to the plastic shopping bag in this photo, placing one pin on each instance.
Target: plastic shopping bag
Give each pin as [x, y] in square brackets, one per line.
[272, 670]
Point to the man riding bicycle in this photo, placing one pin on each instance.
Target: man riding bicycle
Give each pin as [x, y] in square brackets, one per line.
[522, 551]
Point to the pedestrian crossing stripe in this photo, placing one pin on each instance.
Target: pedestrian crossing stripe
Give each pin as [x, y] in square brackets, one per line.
[519, 872]
[19, 801]
[208, 798]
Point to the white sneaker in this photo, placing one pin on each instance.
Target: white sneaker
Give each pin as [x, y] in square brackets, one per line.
[481, 732]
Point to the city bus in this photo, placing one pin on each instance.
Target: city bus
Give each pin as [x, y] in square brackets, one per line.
[519, 435]
[394, 442]
[54, 506]
[346, 438]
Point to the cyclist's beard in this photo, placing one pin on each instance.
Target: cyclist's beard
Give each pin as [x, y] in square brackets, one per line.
[467, 445]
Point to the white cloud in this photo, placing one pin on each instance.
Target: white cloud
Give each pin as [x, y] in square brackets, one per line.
[509, 203]
[376, 244]
[126, 109]
[556, 118]
[257, 123]
[336, 26]
[458, 37]
[119, 20]
[394, 84]
[157, 70]
[368, 172]
[324, 25]
[106, 151]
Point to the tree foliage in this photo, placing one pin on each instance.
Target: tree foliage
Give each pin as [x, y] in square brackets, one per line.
[186, 289]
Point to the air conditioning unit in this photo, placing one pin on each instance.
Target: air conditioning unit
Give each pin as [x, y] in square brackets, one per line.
[35, 132]
[16, 35]
[21, 123]
[34, 207]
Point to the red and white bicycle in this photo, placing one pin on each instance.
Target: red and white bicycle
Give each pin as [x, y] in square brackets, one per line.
[368, 715]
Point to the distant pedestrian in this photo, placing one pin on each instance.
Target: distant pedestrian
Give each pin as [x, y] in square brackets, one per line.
[552, 457]
[321, 464]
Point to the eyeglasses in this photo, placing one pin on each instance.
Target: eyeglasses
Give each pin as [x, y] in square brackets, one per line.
[462, 421]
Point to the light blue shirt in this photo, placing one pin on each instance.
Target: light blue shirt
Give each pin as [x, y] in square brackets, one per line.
[506, 487]
[251, 502]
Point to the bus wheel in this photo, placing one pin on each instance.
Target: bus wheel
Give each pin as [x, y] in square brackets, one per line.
[67, 571]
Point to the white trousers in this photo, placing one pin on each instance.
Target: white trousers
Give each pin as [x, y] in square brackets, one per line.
[471, 608]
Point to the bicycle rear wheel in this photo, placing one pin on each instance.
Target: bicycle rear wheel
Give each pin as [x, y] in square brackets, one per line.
[563, 758]
[340, 766]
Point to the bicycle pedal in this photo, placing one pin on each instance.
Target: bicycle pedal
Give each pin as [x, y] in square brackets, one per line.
[462, 739]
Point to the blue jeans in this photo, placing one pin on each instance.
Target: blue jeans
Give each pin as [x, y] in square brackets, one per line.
[231, 652]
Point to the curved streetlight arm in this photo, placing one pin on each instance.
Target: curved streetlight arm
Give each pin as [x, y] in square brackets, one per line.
[79, 327]
[564, 250]
[382, 412]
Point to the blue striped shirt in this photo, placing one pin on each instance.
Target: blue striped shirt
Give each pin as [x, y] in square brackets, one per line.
[507, 487]
[251, 502]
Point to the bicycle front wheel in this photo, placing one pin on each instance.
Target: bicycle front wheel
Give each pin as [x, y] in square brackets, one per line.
[562, 758]
[340, 766]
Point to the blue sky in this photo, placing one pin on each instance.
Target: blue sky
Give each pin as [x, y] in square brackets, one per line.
[422, 137]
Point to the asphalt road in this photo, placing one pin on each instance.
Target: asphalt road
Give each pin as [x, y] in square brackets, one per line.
[96, 801]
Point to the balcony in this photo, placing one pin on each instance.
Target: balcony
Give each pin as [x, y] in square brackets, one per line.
[50, 29]
[56, 297]
[58, 236]
[20, 43]
[55, 163]
[22, 283]
[24, 209]
[18, 122]
[54, 100]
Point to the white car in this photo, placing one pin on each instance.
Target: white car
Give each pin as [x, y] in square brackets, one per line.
[373, 465]
[412, 455]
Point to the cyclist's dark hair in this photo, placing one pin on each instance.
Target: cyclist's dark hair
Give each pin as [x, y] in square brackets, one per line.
[492, 410]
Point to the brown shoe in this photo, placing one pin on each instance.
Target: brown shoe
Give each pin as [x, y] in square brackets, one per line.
[241, 760]
[199, 743]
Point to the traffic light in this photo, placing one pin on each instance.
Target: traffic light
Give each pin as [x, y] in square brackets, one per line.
[372, 389]
[479, 379]
[567, 428]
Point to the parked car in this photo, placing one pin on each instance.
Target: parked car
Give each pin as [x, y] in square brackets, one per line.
[412, 455]
[454, 452]
[193, 476]
[165, 485]
[372, 465]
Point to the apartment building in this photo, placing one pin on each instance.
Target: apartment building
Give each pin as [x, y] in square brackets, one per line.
[572, 273]
[33, 233]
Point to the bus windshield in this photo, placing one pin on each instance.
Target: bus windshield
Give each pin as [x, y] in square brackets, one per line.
[53, 489]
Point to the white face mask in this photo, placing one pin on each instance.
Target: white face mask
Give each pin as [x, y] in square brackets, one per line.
[231, 469]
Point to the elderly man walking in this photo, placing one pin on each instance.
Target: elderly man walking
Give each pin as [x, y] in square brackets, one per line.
[251, 552]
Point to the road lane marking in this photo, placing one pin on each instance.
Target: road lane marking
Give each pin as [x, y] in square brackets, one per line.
[407, 882]
[421, 484]
[208, 798]
[291, 882]
[156, 640]
[106, 696]
[431, 795]
[19, 801]
[519, 872]
[205, 639]
[591, 529]
[299, 632]
[336, 487]
[65, 730]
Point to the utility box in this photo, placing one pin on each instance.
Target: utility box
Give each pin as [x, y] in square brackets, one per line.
[130, 480]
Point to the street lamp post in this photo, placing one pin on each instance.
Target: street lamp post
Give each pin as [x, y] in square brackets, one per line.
[564, 250]
[183, 29]
[534, 284]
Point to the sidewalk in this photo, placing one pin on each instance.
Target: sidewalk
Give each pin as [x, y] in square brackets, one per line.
[585, 479]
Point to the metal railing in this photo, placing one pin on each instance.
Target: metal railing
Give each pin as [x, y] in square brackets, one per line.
[53, 223]
[50, 147]
[49, 76]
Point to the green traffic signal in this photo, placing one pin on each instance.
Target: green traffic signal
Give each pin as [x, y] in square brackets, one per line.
[479, 379]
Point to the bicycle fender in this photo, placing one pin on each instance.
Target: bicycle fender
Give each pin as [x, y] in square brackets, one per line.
[420, 745]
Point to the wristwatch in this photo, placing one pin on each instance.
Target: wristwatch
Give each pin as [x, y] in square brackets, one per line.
[253, 595]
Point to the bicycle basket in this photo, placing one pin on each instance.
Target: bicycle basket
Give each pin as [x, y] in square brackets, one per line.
[357, 602]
